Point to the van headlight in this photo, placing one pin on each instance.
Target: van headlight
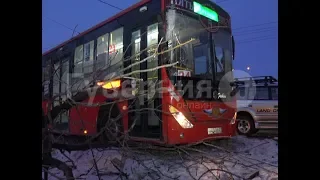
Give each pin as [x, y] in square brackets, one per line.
[180, 118]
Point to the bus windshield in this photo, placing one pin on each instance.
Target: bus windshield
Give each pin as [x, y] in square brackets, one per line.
[194, 54]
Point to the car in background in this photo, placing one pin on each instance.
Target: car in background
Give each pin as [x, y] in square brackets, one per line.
[257, 104]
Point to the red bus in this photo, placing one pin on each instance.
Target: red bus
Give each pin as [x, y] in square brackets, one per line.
[166, 50]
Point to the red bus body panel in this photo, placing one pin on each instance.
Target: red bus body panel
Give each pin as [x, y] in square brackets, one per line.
[44, 107]
[85, 117]
[201, 121]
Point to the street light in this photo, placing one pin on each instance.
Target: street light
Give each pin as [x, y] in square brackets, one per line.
[248, 68]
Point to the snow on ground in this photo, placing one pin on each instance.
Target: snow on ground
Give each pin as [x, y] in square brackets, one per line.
[239, 157]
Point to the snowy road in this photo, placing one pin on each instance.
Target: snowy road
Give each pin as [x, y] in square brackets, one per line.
[238, 158]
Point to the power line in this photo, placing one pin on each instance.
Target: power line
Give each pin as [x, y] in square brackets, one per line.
[255, 25]
[71, 29]
[256, 39]
[255, 31]
[222, 1]
[110, 5]
[251, 25]
[44, 49]
[265, 29]
[258, 30]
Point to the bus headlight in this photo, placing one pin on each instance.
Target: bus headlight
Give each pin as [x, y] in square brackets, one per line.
[180, 118]
[233, 120]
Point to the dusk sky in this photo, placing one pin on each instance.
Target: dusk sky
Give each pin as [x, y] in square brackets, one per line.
[254, 22]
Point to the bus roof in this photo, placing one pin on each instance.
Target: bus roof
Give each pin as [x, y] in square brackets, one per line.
[99, 25]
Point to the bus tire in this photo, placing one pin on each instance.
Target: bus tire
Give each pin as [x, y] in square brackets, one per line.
[245, 125]
[109, 123]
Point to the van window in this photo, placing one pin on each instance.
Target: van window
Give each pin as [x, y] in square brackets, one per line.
[258, 93]
[274, 93]
[241, 95]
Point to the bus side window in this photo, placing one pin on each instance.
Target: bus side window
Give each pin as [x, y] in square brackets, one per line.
[115, 62]
[88, 50]
[56, 79]
[102, 51]
[45, 80]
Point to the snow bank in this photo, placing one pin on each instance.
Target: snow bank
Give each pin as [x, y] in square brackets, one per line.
[241, 158]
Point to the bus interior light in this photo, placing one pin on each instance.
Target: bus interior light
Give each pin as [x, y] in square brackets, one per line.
[110, 84]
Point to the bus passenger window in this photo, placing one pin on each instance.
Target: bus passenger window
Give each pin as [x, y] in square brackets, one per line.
[116, 50]
[88, 51]
[88, 57]
[78, 59]
[102, 51]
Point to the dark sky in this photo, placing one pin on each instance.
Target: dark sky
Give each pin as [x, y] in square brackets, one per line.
[254, 22]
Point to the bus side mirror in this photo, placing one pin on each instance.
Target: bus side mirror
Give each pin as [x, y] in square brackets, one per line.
[233, 47]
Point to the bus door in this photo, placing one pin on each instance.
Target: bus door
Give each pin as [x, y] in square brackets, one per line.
[145, 109]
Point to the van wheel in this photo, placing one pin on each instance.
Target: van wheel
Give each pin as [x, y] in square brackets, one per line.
[245, 125]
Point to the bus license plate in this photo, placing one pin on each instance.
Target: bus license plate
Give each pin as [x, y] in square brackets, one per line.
[217, 130]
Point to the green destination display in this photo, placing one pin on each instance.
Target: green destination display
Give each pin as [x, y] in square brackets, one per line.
[204, 11]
